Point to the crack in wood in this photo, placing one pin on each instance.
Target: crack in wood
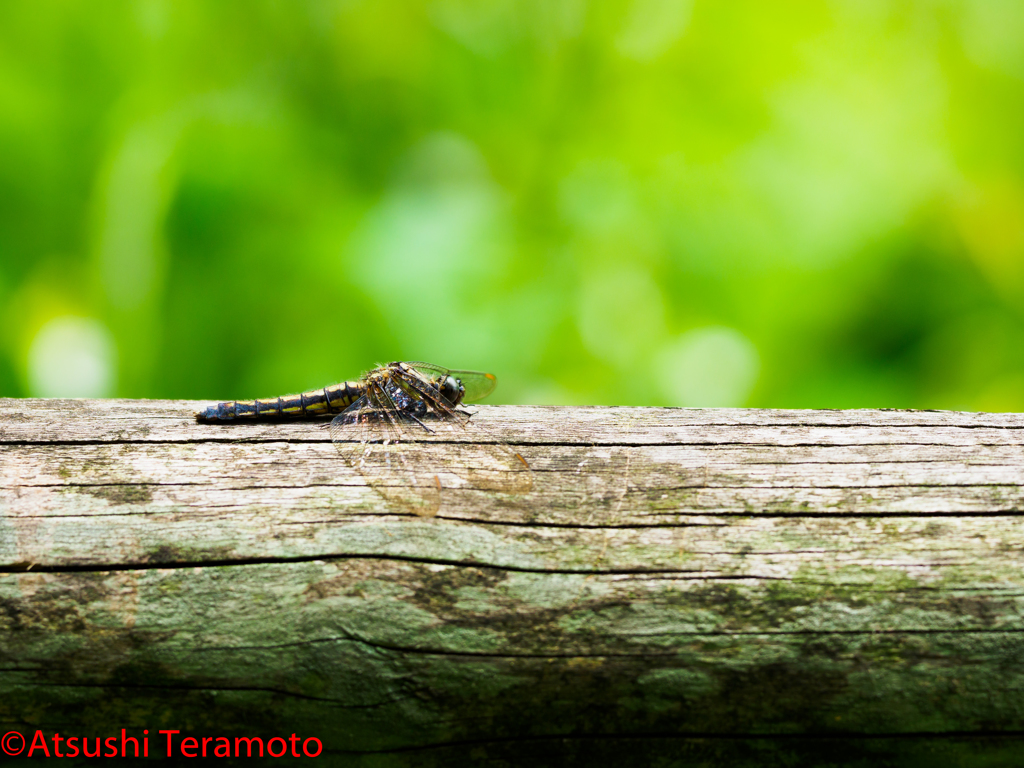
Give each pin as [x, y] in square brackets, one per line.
[682, 575]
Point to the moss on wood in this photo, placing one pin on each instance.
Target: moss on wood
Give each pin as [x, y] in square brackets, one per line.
[680, 587]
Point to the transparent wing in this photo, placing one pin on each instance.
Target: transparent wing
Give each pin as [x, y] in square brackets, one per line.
[478, 384]
[476, 459]
[372, 440]
[380, 436]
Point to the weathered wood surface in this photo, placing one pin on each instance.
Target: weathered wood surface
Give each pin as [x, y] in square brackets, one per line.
[682, 585]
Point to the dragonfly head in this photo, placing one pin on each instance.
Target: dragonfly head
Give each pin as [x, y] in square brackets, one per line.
[452, 390]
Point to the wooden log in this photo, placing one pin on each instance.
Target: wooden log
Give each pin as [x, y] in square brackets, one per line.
[729, 586]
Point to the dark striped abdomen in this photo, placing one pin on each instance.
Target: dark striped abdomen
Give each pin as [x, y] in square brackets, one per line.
[319, 402]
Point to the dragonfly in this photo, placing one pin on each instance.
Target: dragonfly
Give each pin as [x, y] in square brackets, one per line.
[379, 424]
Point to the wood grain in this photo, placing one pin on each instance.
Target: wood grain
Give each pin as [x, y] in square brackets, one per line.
[682, 585]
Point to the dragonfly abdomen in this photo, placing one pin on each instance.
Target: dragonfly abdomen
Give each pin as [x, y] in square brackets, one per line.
[319, 402]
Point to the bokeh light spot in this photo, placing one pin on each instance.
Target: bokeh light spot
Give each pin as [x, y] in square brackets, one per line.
[713, 367]
[72, 357]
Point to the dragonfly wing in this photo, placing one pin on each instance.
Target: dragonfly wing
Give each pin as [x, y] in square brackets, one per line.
[475, 456]
[381, 437]
[480, 460]
[478, 384]
[372, 442]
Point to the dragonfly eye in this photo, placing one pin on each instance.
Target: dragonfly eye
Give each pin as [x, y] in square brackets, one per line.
[452, 390]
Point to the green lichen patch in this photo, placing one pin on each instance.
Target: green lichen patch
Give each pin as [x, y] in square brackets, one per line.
[120, 494]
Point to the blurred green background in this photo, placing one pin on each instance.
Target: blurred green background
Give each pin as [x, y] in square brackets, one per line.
[638, 202]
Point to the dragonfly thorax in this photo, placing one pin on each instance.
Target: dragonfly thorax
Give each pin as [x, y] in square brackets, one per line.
[403, 402]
